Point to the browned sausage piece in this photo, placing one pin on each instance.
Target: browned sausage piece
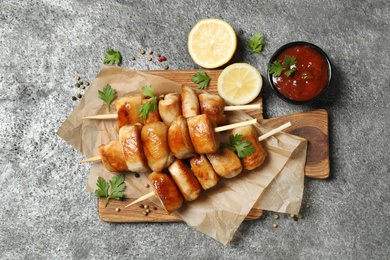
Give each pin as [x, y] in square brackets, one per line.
[155, 144]
[166, 190]
[170, 107]
[225, 163]
[189, 102]
[203, 171]
[213, 106]
[130, 138]
[179, 140]
[203, 135]
[185, 180]
[128, 113]
[250, 134]
[112, 156]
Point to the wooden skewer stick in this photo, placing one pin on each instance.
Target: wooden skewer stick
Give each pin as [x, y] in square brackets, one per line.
[243, 107]
[227, 108]
[274, 131]
[144, 197]
[232, 126]
[91, 159]
[107, 116]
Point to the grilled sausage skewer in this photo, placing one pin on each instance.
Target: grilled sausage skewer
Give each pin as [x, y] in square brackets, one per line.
[226, 108]
[188, 104]
[158, 132]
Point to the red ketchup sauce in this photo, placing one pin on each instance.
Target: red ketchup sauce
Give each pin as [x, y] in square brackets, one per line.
[310, 77]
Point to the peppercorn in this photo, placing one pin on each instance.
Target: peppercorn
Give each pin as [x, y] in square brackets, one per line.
[137, 175]
[74, 98]
[166, 67]
[292, 215]
[117, 209]
[147, 185]
[158, 55]
[82, 87]
[149, 58]
[132, 58]
[146, 206]
[150, 52]
[145, 213]
[154, 208]
[141, 206]
[77, 85]
[77, 78]
[80, 83]
[79, 95]
[276, 216]
[142, 52]
[87, 83]
[275, 225]
[300, 216]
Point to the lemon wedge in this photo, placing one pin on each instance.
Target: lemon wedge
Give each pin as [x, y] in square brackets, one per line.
[212, 43]
[239, 83]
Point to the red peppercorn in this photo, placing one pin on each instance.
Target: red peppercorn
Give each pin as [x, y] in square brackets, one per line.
[162, 58]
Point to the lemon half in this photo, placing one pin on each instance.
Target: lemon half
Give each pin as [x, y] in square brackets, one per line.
[239, 83]
[212, 43]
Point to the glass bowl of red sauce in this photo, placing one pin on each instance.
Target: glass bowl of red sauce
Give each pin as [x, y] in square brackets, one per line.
[304, 77]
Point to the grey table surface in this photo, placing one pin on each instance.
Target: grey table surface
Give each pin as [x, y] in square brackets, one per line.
[45, 211]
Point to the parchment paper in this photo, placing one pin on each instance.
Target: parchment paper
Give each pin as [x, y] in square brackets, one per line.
[219, 211]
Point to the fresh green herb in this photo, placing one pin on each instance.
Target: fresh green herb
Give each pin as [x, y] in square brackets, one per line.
[117, 187]
[276, 68]
[151, 105]
[107, 95]
[202, 79]
[112, 57]
[256, 43]
[289, 63]
[243, 148]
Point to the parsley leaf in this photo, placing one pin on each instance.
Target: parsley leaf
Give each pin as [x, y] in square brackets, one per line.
[243, 148]
[151, 105]
[112, 57]
[107, 95]
[276, 68]
[117, 187]
[289, 62]
[256, 43]
[103, 188]
[202, 79]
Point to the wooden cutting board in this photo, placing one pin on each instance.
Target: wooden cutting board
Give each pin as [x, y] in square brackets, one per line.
[311, 125]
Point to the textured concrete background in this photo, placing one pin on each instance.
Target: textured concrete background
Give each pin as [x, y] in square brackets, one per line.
[45, 212]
